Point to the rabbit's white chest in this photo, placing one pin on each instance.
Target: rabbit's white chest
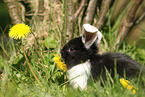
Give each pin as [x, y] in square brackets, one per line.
[79, 74]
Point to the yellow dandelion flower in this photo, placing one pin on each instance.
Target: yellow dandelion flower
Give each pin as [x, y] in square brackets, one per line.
[124, 82]
[127, 81]
[133, 91]
[57, 59]
[19, 31]
[129, 87]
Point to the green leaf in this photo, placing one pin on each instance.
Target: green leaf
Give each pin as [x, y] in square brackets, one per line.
[50, 42]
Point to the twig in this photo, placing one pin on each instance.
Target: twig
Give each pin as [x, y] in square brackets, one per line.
[16, 11]
[128, 22]
[80, 9]
[104, 9]
[90, 11]
[70, 22]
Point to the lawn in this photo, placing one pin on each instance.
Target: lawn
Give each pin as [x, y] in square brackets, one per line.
[27, 67]
[17, 78]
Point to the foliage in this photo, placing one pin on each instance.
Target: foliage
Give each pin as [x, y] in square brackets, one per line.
[17, 80]
[41, 46]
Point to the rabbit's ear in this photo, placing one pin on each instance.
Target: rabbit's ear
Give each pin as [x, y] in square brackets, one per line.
[90, 34]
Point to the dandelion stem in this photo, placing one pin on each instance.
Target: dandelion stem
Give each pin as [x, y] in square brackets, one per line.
[30, 65]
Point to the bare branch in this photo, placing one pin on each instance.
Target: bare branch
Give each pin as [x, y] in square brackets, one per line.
[70, 20]
[128, 22]
[16, 11]
[90, 11]
[104, 9]
[80, 8]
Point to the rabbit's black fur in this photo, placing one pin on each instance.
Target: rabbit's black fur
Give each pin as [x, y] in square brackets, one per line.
[75, 53]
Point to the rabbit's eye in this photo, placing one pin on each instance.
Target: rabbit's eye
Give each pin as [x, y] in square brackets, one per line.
[71, 49]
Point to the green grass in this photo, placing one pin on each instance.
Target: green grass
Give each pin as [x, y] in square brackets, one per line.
[17, 79]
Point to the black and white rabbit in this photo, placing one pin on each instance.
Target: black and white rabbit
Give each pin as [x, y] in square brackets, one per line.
[82, 59]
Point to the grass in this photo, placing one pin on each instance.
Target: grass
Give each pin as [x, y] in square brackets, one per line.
[17, 79]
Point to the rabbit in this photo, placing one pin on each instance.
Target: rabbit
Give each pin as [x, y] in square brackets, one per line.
[83, 61]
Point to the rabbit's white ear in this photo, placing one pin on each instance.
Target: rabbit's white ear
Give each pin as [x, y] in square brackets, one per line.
[90, 34]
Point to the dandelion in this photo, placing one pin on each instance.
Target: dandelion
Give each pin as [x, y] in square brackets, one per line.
[125, 84]
[129, 87]
[19, 31]
[58, 60]
[133, 91]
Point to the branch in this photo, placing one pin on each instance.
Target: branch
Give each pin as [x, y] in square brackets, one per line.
[16, 11]
[90, 11]
[80, 9]
[128, 22]
[104, 9]
[70, 20]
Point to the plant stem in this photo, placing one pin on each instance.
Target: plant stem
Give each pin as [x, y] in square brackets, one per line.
[30, 65]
